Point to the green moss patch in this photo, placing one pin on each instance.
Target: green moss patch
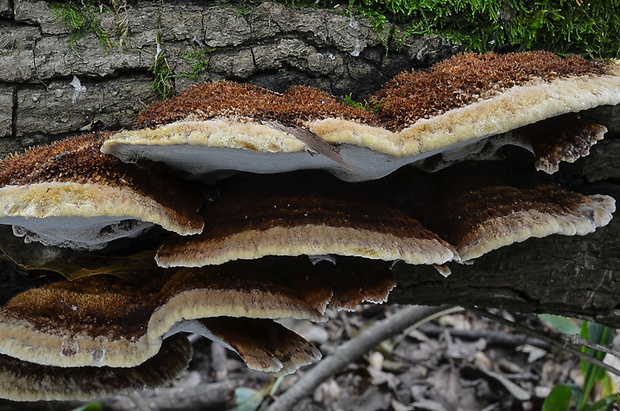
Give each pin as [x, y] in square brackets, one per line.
[590, 29]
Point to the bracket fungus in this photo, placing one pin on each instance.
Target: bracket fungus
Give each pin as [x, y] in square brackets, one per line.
[26, 381]
[262, 344]
[70, 194]
[276, 215]
[291, 176]
[456, 214]
[214, 128]
[104, 324]
[481, 207]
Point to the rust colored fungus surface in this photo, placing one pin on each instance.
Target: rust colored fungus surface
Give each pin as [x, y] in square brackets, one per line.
[410, 96]
[304, 214]
[480, 208]
[562, 138]
[25, 381]
[468, 78]
[353, 283]
[262, 344]
[229, 99]
[456, 214]
[70, 194]
[448, 111]
[104, 320]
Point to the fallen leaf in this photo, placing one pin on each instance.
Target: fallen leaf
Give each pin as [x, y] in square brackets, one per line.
[533, 353]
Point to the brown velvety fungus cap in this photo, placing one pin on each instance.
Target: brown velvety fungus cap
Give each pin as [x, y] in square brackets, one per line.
[218, 127]
[25, 381]
[472, 78]
[106, 321]
[263, 345]
[478, 208]
[229, 99]
[515, 215]
[103, 320]
[457, 214]
[562, 138]
[354, 282]
[70, 194]
[303, 214]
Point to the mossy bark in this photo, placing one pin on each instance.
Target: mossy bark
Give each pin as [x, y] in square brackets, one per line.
[275, 46]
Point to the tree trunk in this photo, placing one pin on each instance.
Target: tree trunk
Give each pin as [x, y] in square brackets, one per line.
[54, 83]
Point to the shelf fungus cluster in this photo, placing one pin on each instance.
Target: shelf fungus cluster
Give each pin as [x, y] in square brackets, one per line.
[70, 194]
[251, 206]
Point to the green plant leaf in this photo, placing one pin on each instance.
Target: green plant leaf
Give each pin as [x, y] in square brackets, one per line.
[558, 400]
[248, 399]
[606, 404]
[599, 334]
[92, 406]
[608, 387]
[564, 325]
[602, 335]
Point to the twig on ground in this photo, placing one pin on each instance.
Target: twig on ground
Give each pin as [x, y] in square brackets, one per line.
[355, 348]
[491, 337]
[577, 339]
[206, 396]
[345, 323]
[561, 345]
[218, 361]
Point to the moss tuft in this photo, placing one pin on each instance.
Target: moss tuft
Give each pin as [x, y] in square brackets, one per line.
[371, 105]
[199, 59]
[82, 19]
[589, 29]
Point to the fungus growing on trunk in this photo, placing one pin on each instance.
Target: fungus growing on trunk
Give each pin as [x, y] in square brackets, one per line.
[304, 214]
[481, 207]
[107, 321]
[25, 381]
[263, 345]
[109, 315]
[448, 111]
[456, 214]
[70, 194]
